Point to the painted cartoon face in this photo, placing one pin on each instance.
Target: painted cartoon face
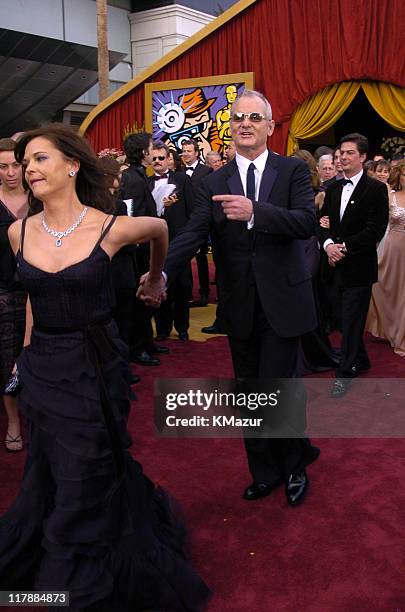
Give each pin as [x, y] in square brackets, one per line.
[202, 124]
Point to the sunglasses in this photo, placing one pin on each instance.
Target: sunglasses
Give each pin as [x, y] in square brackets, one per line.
[253, 117]
[159, 157]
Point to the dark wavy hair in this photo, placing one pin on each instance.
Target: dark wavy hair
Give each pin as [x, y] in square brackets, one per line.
[135, 146]
[91, 182]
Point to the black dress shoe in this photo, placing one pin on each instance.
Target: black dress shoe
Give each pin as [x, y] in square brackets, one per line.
[203, 301]
[157, 350]
[358, 368]
[160, 337]
[257, 490]
[212, 329]
[144, 359]
[134, 379]
[183, 336]
[340, 387]
[296, 488]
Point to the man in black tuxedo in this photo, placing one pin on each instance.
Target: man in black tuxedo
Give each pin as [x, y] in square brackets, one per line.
[357, 209]
[196, 171]
[176, 210]
[259, 208]
[135, 192]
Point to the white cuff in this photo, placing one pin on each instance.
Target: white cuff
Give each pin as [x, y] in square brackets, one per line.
[327, 243]
[251, 222]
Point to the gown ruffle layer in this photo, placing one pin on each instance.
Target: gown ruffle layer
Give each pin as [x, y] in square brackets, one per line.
[86, 521]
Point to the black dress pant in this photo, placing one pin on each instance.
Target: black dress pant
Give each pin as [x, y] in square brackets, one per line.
[265, 355]
[175, 309]
[203, 272]
[355, 303]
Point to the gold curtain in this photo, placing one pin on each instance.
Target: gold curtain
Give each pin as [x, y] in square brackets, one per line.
[388, 101]
[319, 112]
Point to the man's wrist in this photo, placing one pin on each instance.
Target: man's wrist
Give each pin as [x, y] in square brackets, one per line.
[155, 278]
[327, 243]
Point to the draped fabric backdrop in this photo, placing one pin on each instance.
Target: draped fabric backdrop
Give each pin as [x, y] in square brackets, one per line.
[320, 111]
[295, 48]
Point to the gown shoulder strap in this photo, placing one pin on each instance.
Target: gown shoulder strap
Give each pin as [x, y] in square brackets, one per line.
[22, 236]
[104, 231]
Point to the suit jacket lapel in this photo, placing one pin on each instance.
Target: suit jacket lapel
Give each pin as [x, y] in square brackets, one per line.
[268, 178]
[234, 181]
[356, 196]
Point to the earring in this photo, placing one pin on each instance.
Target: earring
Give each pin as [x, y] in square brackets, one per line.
[72, 173]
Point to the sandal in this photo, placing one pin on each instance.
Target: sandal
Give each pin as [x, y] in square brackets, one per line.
[13, 445]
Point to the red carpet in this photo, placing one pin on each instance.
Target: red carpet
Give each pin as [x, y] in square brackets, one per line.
[342, 551]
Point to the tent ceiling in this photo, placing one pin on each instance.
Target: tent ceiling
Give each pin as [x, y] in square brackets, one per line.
[40, 76]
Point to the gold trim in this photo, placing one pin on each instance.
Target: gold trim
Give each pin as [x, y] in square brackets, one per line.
[215, 24]
[247, 78]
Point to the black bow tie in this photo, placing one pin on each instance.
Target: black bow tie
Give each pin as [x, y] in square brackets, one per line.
[190, 169]
[345, 181]
[161, 176]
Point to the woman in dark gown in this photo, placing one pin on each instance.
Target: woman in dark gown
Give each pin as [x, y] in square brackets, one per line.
[316, 353]
[87, 520]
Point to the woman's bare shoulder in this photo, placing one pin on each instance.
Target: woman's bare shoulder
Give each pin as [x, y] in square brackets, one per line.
[14, 231]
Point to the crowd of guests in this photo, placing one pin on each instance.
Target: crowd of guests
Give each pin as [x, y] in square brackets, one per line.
[151, 179]
[287, 278]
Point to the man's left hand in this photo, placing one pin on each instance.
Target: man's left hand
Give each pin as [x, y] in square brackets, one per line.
[236, 207]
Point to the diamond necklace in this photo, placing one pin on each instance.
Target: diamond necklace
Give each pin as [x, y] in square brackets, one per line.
[69, 230]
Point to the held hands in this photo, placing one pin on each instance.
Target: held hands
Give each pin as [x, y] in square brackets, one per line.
[151, 291]
[236, 207]
[324, 222]
[335, 253]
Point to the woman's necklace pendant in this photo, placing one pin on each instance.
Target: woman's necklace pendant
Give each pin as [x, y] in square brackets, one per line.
[58, 242]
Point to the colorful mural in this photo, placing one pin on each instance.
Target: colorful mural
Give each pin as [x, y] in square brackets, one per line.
[200, 111]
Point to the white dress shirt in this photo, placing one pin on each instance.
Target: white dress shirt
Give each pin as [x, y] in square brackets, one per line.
[161, 191]
[243, 165]
[347, 191]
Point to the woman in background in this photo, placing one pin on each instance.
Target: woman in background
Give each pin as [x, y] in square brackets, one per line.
[316, 354]
[386, 316]
[382, 169]
[13, 205]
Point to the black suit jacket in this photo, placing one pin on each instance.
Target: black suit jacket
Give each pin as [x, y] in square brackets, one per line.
[178, 214]
[269, 259]
[124, 268]
[362, 226]
[135, 186]
[200, 171]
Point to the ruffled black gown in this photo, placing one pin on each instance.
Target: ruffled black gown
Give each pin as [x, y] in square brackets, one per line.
[87, 519]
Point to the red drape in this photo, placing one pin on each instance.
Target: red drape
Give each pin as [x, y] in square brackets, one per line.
[294, 47]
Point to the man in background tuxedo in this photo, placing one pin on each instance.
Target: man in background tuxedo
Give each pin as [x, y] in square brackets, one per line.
[259, 208]
[196, 171]
[176, 210]
[357, 208]
[135, 192]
